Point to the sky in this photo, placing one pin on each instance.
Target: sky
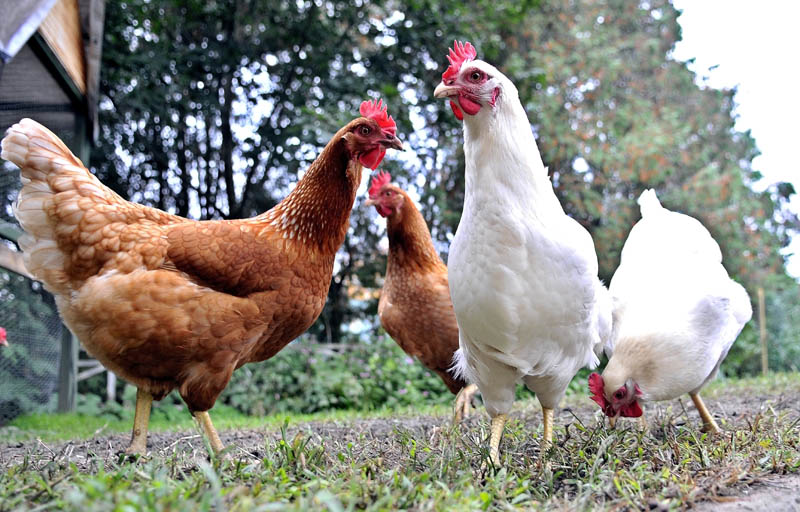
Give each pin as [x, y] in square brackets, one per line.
[752, 46]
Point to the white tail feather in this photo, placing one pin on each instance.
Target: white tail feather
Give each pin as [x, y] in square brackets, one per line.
[649, 203]
[460, 369]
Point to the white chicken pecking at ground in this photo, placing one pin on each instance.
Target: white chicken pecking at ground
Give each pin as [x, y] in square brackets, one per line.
[523, 274]
[676, 315]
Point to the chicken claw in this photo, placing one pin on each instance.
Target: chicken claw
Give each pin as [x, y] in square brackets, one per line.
[208, 429]
[463, 403]
[709, 425]
[141, 419]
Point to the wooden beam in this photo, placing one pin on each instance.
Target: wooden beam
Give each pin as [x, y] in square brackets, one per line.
[67, 372]
[57, 69]
[62, 31]
[111, 387]
[91, 372]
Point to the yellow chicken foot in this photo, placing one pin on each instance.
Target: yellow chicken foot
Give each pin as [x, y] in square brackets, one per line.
[463, 402]
[141, 418]
[208, 429]
[709, 425]
[547, 436]
[498, 423]
[547, 422]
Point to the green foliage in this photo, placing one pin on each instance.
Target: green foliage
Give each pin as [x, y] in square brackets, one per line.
[214, 109]
[188, 104]
[783, 326]
[306, 378]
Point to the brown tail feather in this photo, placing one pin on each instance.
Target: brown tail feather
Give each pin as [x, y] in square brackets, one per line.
[63, 207]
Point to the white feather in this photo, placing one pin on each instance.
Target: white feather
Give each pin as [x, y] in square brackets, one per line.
[676, 311]
[523, 275]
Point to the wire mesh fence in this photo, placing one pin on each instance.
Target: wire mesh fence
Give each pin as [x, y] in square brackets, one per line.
[29, 363]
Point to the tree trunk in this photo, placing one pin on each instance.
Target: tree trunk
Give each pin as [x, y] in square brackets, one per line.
[182, 199]
[227, 144]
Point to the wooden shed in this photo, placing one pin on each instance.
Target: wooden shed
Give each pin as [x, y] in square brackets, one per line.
[53, 74]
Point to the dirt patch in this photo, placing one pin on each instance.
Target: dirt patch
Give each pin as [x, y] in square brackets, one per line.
[773, 494]
[370, 438]
[387, 441]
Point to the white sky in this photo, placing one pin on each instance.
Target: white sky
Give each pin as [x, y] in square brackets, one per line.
[755, 47]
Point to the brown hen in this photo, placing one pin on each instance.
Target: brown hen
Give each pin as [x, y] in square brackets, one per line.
[415, 306]
[170, 303]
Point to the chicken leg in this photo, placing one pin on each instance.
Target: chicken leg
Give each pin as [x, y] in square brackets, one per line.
[463, 402]
[547, 422]
[709, 425]
[208, 429]
[498, 423]
[141, 419]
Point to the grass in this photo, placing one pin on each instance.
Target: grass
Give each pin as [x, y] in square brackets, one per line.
[355, 461]
[76, 426]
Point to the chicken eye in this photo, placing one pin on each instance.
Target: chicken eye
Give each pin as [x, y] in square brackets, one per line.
[619, 394]
[365, 130]
[388, 193]
[475, 76]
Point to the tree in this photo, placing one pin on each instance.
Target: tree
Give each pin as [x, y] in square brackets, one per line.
[213, 110]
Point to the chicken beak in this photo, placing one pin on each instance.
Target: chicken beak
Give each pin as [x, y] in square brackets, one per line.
[390, 141]
[445, 91]
[612, 421]
[395, 144]
[370, 202]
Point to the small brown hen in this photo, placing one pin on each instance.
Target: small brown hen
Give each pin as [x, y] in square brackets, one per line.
[415, 306]
[166, 302]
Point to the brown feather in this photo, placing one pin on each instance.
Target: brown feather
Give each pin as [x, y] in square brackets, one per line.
[415, 307]
[166, 302]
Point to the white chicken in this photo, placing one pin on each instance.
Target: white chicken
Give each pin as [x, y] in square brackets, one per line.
[523, 275]
[676, 315]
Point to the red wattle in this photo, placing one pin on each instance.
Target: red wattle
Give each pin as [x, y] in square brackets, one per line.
[632, 410]
[372, 158]
[470, 107]
[456, 110]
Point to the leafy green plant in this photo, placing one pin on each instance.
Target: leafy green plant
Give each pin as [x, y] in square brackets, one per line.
[307, 378]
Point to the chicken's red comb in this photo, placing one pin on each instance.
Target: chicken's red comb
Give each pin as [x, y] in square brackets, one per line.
[459, 54]
[377, 111]
[381, 179]
[3, 336]
[598, 394]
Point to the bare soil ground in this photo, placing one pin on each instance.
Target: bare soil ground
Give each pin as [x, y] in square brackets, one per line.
[386, 440]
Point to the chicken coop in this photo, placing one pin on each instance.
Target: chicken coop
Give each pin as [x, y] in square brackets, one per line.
[49, 71]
